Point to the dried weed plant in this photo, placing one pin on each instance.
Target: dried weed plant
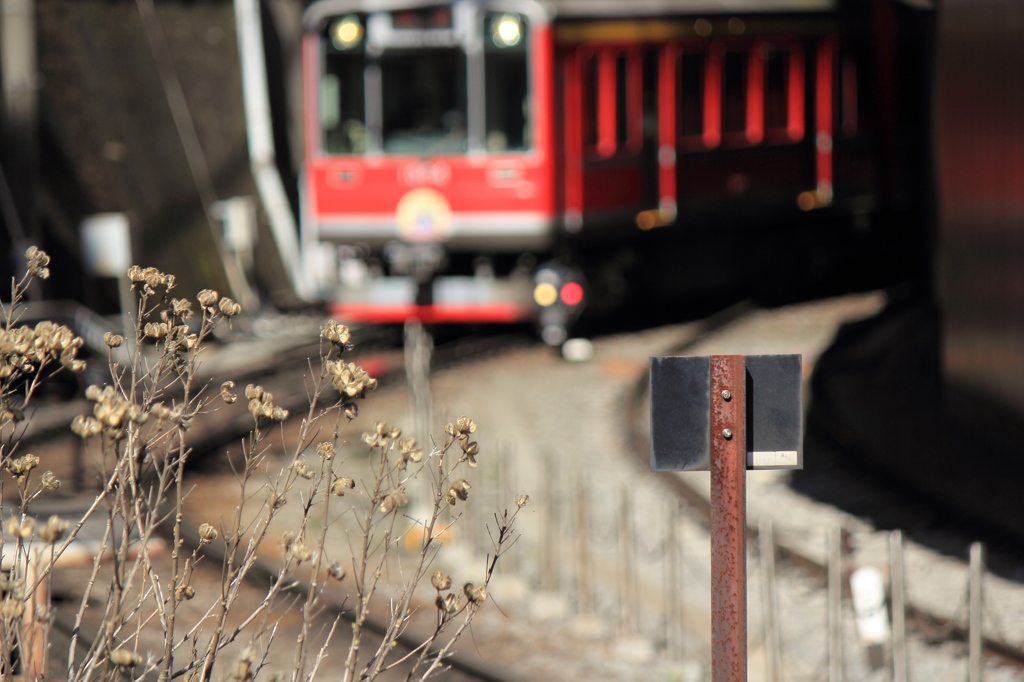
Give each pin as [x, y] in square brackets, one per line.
[139, 432]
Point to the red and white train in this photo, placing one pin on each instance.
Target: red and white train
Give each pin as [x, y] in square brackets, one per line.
[470, 161]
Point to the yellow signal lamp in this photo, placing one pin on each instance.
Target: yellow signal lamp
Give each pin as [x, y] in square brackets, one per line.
[545, 294]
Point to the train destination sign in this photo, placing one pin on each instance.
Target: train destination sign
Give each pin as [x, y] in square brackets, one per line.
[681, 405]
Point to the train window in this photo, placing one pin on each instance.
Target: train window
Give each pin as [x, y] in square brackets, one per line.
[847, 92]
[776, 91]
[342, 103]
[622, 117]
[590, 74]
[507, 90]
[424, 101]
[690, 95]
[734, 92]
[424, 18]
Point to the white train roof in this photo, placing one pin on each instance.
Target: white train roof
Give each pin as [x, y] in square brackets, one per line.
[580, 9]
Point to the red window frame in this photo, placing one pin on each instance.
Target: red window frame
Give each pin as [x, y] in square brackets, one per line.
[600, 110]
[795, 93]
[755, 130]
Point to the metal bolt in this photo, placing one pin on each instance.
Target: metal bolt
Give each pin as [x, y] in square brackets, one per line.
[727, 434]
[726, 395]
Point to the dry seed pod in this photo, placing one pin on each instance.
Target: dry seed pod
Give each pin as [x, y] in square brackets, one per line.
[207, 532]
[476, 593]
[302, 470]
[11, 609]
[54, 530]
[325, 450]
[208, 298]
[113, 340]
[440, 581]
[123, 658]
[300, 551]
[522, 501]
[336, 571]
[49, 481]
[226, 394]
[184, 592]
[342, 484]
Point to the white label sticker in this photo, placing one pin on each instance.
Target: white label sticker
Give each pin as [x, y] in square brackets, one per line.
[772, 458]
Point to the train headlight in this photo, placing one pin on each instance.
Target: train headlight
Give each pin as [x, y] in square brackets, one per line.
[347, 33]
[506, 30]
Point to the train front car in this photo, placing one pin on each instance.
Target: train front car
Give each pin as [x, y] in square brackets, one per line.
[428, 185]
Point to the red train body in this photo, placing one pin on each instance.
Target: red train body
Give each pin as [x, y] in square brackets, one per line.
[452, 147]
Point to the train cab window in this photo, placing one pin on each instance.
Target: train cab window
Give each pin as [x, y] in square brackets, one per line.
[736, 67]
[690, 93]
[342, 109]
[424, 101]
[507, 109]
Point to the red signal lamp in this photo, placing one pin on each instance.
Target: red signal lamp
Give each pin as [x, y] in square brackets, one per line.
[571, 294]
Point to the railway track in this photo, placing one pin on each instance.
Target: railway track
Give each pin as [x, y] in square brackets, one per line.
[478, 352]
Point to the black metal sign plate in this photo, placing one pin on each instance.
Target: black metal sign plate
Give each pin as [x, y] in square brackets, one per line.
[681, 406]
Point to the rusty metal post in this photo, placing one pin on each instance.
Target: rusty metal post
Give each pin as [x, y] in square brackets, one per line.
[728, 519]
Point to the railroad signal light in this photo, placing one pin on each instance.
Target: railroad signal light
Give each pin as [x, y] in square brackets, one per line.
[545, 294]
[572, 293]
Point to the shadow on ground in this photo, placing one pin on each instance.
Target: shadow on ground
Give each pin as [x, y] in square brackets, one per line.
[888, 440]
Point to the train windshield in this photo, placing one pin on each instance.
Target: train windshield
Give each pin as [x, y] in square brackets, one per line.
[425, 82]
[424, 101]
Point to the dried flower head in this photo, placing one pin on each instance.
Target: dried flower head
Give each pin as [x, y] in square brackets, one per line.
[350, 379]
[522, 501]
[113, 340]
[459, 490]
[19, 467]
[393, 500]
[440, 581]
[342, 484]
[461, 429]
[37, 262]
[54, 530]
[208, 298]
[470, 449]
[225, 392]
[207, 533]
[11, 609]
[410, 453]
[181, 308]
[49, 481]
[475, 593]
[351, 411]
[228, 307]
[336, 570]
[20, 528]
[300, 551]
[300, 468]
[85, 426]
[287, 538]
[336, 333]
[325, 450]
[123, 658]
[447, 604]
